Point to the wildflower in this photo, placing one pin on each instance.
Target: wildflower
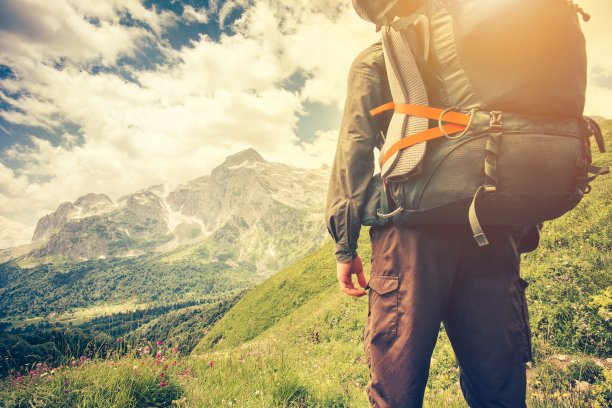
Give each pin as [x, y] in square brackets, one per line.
[146, 350]
[162, 384]
[82, 359]
[163, 359]
[32, 372]
[175, 349]
[159, 342]
[174, 363]
[211, 363]
[119, 340]
[162, 375]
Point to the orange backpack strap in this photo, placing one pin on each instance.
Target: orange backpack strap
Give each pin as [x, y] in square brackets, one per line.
[428, 134]
[423, 112]
[457, 123]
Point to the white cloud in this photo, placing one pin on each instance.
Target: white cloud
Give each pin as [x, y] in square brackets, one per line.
[598, 39]
[75, 31]
[192, 14]
[14, 233]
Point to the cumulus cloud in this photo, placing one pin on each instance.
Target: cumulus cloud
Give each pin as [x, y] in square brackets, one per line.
[14, 233]
[599, 37]
[75, 31]
[169, 123]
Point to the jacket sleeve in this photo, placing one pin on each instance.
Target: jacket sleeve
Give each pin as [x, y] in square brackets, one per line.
[353, 165]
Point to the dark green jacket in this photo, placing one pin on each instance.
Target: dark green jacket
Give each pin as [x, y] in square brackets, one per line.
[353, 165]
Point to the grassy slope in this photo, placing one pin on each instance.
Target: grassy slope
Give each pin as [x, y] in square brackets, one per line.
[273, 300]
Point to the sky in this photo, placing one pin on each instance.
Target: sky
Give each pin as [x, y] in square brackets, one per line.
[111, 96]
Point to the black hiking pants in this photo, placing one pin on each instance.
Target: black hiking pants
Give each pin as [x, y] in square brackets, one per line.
[425, 275]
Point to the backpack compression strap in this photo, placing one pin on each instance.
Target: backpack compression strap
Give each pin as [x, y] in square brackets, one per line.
[457, 122]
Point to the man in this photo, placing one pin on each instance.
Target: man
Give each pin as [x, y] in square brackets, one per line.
[425, 274]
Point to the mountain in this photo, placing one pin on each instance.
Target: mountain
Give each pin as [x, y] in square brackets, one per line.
[254, 210]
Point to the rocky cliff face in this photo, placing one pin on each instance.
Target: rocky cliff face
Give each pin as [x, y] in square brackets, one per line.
[248, 209]
[86, 206]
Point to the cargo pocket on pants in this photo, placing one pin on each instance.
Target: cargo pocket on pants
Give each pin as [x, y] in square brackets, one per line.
[383, 304]
[521, 285]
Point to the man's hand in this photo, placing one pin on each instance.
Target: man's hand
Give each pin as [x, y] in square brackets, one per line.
[345, 278]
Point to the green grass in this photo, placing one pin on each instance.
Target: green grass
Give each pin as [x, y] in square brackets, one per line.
[269, 303]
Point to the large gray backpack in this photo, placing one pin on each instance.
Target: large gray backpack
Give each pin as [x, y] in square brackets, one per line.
[488, 125]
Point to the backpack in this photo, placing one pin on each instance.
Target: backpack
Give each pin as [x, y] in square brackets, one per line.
[487, 125]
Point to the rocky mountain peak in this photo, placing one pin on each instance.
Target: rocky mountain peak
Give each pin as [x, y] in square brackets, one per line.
[91, 201]
[247, 155]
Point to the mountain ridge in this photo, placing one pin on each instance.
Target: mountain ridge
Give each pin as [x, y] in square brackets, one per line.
[266, 197]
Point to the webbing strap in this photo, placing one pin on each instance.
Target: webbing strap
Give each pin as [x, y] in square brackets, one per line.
[595, 130]
[422, 112]
[428, 134]
[479, 235]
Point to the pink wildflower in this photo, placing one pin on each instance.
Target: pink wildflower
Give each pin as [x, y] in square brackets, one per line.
[162, 384]
[211, 363]
[159, 342]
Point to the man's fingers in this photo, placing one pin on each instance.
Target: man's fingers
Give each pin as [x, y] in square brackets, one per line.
[357, 269]
[361, 279]
[354, 292]
[350, 289]
[345, 273]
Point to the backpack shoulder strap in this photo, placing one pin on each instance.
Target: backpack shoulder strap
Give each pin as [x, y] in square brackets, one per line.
[406, 87]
